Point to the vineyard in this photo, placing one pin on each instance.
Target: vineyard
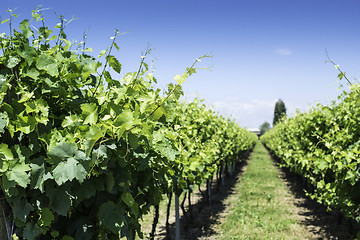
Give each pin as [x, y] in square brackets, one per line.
[322, 146]
[85, 156]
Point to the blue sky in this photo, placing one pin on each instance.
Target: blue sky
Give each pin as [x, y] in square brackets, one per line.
[262, 50]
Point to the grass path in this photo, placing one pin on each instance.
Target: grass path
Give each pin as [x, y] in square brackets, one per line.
[261, 202]
[263, 206]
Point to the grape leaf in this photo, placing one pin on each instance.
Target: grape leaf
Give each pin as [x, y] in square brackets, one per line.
[89, 112]
[62, 150]
[49, 64]
[13, 61]
[60, 198]
[114, 63]
[46, 217]
[128, 199]
[111, 215]
[67, 171]
[19, 174]
[22, 209]
[31, 231]
[39, 176]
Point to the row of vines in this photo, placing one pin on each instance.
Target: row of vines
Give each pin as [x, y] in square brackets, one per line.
[85, 156]
[323, 146]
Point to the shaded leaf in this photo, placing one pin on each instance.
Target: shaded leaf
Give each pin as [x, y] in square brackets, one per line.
[22, 209]
[128, 199]
[111, 215]
[46, 217]
[31, 231]
[60, 199]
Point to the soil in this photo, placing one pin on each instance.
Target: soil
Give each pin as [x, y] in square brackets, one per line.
[206, 218]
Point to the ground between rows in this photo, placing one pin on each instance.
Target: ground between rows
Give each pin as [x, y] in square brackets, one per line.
[312, 217]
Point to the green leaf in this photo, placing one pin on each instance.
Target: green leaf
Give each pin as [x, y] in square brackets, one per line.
[166, 150]
[31, 231]
[322, 164]
[116, 46]
[33, 73]
[181, 79]
[5, 152]
[4, 74]
[23, 153]
[191, 70]
[72, 120]
[37, 106]
[49, 64]
[67, 171]
[128, 199]
[159, 113]
[90, 113]
[114, 63]
[60, 198]
[62, 150]
[13, 61]
[134, 141]
[26, 96]
[25, 124]
[93, 135]
[102, 53]
[24, 26]
[194, 165]
[46, 217]
[4, 121]
[351, 176]
[19, 174]
[125, 117]
[102, 97]
[22, 209]
[111, 215]
[29, 54]
[39, 176]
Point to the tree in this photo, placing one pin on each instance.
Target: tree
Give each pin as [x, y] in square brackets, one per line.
[264, 127]
[279, 111]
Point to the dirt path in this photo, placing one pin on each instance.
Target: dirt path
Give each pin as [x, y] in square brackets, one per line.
[312, 220]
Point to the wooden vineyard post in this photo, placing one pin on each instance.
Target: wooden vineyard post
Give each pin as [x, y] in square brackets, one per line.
[209, 189]
[177, 208]
[222, 174]
[230, 168]
[177, 218]
[3, 229]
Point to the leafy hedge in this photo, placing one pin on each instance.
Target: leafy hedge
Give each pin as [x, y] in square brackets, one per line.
[84, 156]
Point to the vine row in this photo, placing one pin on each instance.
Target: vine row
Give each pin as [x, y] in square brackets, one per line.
[85, 156]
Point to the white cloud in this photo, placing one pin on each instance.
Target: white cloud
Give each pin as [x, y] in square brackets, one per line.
[251, 113]
[284, 51]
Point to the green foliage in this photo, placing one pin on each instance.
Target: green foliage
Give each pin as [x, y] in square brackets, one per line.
[84, 156]
[323, 146]
[279, 111]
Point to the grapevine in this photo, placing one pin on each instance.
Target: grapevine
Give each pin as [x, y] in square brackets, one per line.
[85, 156]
